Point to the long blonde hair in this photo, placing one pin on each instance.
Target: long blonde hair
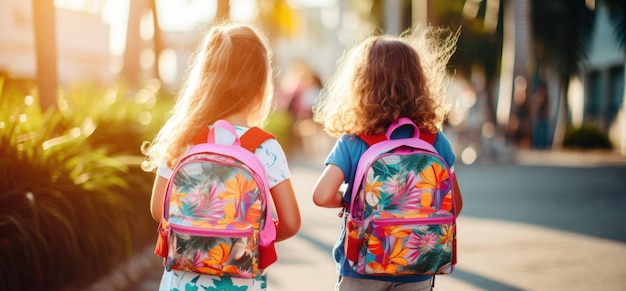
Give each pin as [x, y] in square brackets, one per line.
[231, 72]
[387, 77]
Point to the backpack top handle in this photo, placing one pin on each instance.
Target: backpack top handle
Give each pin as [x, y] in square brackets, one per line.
[401, 122]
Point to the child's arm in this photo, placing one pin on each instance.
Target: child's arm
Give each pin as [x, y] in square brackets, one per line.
[326, 191]
[286, 209]
[156, 201]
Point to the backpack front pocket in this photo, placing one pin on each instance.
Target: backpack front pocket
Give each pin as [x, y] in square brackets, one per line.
[408, 246]
[213, 251]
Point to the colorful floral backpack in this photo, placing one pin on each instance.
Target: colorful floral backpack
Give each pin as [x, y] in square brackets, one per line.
[217, 212]
[401, 215]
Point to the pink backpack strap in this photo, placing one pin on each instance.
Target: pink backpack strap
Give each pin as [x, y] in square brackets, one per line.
[383, 143]
[248, 142]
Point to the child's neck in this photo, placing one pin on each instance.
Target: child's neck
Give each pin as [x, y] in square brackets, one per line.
[240, 119]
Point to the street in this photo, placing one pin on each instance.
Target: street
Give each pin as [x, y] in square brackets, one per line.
[586, 200]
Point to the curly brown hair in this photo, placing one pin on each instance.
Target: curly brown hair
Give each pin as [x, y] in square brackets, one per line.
[385, 78]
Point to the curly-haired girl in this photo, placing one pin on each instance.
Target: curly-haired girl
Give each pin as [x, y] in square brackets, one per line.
[377, 82]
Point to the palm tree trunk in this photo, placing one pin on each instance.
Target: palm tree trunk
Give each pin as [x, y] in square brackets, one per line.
[131, 71]
[491, 107]
[562, 118]
[223, 10]
[156, 39]
[617, 14]
[622, 117]
[44, 23]
[393, 19]
[503, 109]
[516, 54]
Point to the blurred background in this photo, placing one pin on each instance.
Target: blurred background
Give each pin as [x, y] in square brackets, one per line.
[83, 83]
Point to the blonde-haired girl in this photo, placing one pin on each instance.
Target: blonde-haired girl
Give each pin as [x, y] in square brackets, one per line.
[229, 79]
[381, 79]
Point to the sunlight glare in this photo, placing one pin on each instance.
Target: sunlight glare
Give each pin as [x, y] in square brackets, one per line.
[142, 96]
[146, 58]
[468, 156]
[31, 198]
[153, 86]
[110, 96]
[491, 15]
[470, 9]
[29, 100]
[330, 16]
[468, 99]
[243, 10]
[84, 6]
[455, 117]
[168, 65]
[115, 14]
[88, 126]
[63, 105]
[146, 29]
[75, 132]
[145, 118]
[175, 16]
[576, 97]
[311, 3]
[488, 130]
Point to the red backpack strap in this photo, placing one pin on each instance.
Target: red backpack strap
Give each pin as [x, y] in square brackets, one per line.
[202, 136]
[250, 140]
[254, 137]
[429, 137]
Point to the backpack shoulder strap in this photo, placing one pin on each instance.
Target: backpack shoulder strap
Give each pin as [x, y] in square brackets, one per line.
[250, 140]
[202, 136]
[254, 137]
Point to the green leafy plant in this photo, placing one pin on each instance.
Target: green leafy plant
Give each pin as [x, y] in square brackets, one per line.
[587, 136]
[73, 200]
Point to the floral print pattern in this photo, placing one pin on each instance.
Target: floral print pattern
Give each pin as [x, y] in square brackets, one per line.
[197, 282]
[404, 220]
[216, 210]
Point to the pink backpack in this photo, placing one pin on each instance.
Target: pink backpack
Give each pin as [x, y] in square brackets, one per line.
[401, 217]
[217, 211]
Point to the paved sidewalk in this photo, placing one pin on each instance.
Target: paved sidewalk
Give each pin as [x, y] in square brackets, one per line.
[566, 158]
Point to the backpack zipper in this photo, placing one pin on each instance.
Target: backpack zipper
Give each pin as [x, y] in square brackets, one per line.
[427, 221]
[198, 231]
